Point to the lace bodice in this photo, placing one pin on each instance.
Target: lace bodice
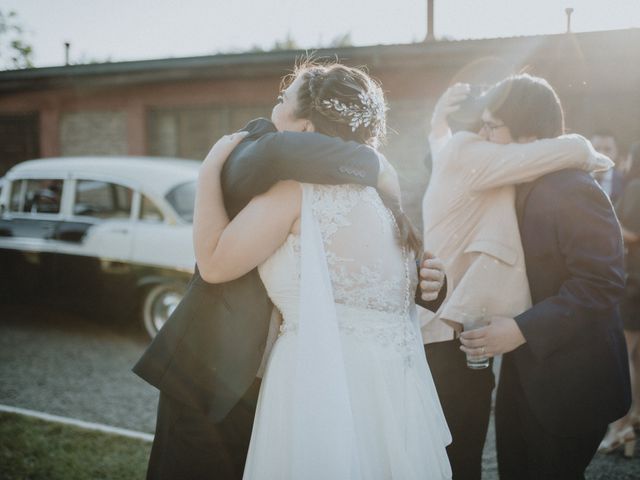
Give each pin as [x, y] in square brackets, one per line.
[368, 267]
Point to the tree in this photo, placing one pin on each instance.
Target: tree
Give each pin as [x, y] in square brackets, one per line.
[287, 44]
[15, 52]
[341, 41]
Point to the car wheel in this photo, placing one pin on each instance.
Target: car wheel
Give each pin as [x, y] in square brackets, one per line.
[158, 304]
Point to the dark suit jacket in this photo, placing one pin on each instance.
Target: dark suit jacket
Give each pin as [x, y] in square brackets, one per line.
[208, 352]
[573, 368]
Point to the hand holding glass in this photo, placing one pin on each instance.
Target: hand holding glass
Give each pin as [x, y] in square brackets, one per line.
[472, 322]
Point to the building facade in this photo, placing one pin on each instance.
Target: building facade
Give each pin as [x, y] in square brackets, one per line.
[179, 107]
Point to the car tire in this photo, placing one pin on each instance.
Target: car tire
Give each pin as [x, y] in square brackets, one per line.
[158, 302]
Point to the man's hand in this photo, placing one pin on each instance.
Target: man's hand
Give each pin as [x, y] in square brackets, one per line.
[502, 335]
[431, 277]
[448, 103]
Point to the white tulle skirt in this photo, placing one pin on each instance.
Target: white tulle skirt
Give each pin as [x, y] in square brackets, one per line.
[400, 431]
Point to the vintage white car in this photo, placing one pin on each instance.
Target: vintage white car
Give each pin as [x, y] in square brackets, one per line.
[111, 235]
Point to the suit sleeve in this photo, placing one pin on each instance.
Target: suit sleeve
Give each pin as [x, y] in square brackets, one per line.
[490, 165]
[305, 157]
[590, 241]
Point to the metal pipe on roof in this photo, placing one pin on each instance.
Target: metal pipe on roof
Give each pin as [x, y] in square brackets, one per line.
[568, 12]
[430, 32]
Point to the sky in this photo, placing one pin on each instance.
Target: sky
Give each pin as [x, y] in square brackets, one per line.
[118, 30]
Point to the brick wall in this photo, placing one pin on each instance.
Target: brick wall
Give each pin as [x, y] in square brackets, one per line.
[93, 133]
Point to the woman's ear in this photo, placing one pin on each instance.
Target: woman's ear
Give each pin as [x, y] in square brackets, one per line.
[308, 126]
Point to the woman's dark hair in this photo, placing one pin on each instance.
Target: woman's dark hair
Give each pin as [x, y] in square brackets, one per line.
[528, 106]
[634, 168]
[327, 86]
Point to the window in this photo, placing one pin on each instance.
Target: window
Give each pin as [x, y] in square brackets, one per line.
[189, 132]
[100, 199]
[36, 196]
[15, 204]
[149, 212]
[183, 199]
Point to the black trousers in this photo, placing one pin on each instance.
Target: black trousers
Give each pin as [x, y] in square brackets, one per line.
[526, 451]
[188, 446]
[465, 396]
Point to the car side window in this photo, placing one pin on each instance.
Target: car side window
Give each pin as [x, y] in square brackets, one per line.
[149, 212]
[96, 198]
[36, 196]
[16, 197]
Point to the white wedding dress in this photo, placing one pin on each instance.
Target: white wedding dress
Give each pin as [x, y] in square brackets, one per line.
[347, 393]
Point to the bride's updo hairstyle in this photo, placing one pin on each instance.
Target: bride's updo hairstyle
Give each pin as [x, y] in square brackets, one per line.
[345, 102]
[341, 101]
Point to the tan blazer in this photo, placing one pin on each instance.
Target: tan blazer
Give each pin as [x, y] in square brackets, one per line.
[470, 221]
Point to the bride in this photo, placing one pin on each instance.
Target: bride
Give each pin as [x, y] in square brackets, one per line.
[347, 392]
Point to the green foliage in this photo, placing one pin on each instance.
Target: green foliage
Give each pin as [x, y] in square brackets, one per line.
[341, 41]
[287, 44]
[15, 52]
[39, 450]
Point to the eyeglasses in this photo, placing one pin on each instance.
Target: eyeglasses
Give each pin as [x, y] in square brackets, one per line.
[491, 127]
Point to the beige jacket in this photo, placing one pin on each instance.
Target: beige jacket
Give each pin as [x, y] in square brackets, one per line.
[470, 221]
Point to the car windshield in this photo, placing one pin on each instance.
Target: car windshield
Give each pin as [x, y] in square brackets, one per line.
[183, 198]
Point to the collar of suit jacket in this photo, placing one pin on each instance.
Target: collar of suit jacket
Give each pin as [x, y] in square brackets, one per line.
[258, 127]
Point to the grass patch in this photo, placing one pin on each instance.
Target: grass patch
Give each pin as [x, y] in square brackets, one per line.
[35, 449]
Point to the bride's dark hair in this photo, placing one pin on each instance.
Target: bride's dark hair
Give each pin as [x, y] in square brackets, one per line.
[345, 102]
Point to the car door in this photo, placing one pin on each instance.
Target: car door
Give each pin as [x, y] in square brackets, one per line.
[95, 243]
[161, 240]
[106, 205]
[30, 215]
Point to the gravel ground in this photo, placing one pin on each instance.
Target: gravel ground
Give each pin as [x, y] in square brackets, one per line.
[67, 365]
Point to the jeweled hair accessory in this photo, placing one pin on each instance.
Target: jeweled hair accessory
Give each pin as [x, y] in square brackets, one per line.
[371, 107]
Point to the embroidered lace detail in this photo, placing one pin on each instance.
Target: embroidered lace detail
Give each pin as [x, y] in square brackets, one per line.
[395, 332]
[366, 287]
[371, 285]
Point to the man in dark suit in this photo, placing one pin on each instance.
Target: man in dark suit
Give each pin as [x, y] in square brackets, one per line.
[560, 390]
[564, 373]
[205, 359]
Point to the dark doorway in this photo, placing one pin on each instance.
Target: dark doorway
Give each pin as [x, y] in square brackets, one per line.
[19, 139]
